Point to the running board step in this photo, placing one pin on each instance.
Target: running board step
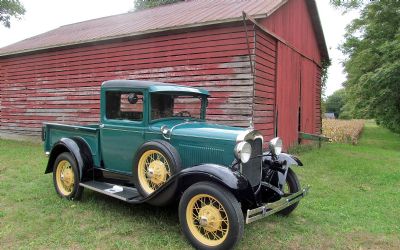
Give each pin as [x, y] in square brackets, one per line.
[127, 194]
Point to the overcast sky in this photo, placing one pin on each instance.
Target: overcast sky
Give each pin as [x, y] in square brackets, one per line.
[45, 15]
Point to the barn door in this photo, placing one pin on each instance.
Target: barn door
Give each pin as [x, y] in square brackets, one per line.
[288, 95]
[308, 102]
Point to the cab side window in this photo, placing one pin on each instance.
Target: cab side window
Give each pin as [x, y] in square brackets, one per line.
[124, 105]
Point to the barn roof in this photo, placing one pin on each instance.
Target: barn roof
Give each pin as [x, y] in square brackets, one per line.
[176, 16]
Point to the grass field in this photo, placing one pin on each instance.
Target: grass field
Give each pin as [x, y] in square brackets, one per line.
[354, 203]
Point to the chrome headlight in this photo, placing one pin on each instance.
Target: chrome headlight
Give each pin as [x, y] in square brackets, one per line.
[275, 145]
[165, 131]
[243, 151]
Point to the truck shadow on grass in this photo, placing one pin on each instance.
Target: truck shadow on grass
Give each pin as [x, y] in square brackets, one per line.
[138, 225]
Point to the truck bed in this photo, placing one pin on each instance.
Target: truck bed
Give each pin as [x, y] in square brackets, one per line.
[52, 132]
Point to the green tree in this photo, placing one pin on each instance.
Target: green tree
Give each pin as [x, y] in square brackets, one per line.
[8, 9]
[145, 4]
[372, 47]
[335, 102]
[348, 4]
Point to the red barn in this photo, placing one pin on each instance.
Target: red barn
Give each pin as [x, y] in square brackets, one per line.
[268, 70]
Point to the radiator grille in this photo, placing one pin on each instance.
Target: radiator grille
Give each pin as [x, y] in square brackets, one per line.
[252, 169]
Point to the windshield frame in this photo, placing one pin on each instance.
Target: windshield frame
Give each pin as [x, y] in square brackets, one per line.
[204, 102]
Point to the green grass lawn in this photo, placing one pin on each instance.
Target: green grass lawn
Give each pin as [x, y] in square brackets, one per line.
[354, 203]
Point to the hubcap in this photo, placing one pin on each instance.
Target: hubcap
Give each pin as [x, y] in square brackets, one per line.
[210, 218]
[157, 172]
[65, 178]
[203, 221]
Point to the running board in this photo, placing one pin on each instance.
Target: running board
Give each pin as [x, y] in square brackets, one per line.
[127, 194]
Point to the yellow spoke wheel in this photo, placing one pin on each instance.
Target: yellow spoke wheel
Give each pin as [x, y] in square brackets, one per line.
[207, 220]
[211, 216]
[65, 177]
[153, 170]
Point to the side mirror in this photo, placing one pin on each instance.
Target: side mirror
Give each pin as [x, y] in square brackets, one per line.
[133, 98]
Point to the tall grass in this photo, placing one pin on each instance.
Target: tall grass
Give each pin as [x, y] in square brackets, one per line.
[346, 131]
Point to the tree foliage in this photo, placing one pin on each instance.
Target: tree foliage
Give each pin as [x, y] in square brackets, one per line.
[335, 102]
[348, 4]
[372, 47]
[145, 4]
[8, 9]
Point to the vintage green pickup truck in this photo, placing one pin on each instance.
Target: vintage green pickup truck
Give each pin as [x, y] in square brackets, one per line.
[153, 145]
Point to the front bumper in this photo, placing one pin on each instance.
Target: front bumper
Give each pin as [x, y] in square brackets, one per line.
[274, 207]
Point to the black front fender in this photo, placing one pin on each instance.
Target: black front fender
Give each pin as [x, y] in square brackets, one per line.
[236, 183]
[284, 159]
[284, 162]
[79, 150]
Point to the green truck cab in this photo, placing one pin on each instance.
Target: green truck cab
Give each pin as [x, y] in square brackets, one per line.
[153, 145]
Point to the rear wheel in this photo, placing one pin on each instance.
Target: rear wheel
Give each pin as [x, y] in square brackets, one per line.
[210, 216]
[292, 186]
[66, 177]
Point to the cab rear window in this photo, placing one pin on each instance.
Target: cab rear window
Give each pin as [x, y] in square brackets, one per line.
[124, 105]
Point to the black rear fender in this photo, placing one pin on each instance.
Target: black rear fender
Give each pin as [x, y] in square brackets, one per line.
[79, 150]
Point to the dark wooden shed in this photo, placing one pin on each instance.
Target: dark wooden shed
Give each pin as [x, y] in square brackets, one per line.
[56, 76]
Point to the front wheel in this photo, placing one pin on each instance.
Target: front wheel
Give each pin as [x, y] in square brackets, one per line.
[292, 186]
[210, 216]
[156, 162]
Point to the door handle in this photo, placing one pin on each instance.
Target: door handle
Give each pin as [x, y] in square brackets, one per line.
[101, 125]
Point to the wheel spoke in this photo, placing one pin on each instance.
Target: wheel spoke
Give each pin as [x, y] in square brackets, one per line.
[214, 234]
[212, 202]
[196, 207]
[203, 202]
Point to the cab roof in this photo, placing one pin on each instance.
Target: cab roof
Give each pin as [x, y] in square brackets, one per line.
[152, 86]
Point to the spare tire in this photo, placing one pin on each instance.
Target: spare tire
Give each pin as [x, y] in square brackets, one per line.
[155, 163]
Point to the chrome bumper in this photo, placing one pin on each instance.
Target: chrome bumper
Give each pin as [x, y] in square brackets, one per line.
[274, 207]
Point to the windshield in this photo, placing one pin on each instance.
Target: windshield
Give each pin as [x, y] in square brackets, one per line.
[175, 106]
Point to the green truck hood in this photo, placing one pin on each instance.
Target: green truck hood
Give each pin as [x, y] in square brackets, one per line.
[200, 129]
[201, 142]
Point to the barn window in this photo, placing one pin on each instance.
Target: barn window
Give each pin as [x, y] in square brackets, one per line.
[124, 105]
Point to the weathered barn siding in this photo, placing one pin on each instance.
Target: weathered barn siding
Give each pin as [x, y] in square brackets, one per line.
[61, 83]
[63, 86]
